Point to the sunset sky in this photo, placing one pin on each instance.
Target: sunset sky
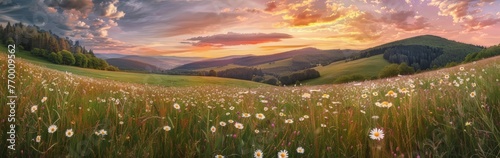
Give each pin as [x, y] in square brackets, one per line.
[216, 28]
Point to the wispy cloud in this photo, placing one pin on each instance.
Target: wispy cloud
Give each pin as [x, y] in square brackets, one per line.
[234, 39]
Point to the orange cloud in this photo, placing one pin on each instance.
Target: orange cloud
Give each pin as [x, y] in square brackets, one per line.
[233, 39]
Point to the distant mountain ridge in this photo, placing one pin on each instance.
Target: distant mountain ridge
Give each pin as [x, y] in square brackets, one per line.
[146, 63]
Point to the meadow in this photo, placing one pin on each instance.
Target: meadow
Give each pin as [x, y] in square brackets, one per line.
[368, 67]
[131, 77]
[451, 112]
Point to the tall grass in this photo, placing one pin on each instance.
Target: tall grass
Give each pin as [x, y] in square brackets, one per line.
[437, 117]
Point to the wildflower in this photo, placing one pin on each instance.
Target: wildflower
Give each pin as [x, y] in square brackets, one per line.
[213, 129]
[219, 156]
[103, 132]
[260, 116]
[384, 104]
[177, 106]
[362, 111]
[377, 134]
[245, 115]
[256, 131]
[375, 94]
[323, 125]
[283, 154]
[290, 121]
[301, 119]
[306, 116]
[238, 125]
[44, 99]
[446, 76]
[462, 68]
[69, 132]
[403, 90]
[473, 84]
[326, 96]
[264, 101]
[222, 123]
[230, 121]
[34, 108]
[392, 94]
[282, 114]
[375, 117]
[231, 108]
[38, 138]
[473, 94]
[121, 122]
[364, 96]
[468, 123]
[52, 128]
[306, 95]
[258, 154]
[300, 150]
[167, 128]
[266, 108]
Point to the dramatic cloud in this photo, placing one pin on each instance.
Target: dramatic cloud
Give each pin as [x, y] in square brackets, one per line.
[466, 12]
[108, 9]
[130, 26]
[233, 39]
[297, 13]
[400, 20]
[83, 6]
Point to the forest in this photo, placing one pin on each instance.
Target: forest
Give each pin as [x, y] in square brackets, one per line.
[51, 47]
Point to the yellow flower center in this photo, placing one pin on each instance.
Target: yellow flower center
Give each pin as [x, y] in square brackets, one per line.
[283, 155]
[258, 154]
[376, 134]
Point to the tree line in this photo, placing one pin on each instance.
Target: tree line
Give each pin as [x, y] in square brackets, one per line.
[485, 53]
[49, 46]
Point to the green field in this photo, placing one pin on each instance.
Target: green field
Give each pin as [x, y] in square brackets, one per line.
[367, 67]
[142, 78]
[451, 112]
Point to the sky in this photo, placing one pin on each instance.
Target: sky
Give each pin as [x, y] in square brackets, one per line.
[217, 28]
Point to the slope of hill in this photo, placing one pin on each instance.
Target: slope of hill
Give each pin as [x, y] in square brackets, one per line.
[368, 67]
[109, 55]
[446, 113]
[127, 64]
[148, 62]
[313, 54]
[452, 51]
[141, 78]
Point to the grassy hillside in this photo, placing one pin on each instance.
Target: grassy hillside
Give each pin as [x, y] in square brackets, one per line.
[143, 78]
[368, 67]
[127, 64]
[447, 113]
[453, 51]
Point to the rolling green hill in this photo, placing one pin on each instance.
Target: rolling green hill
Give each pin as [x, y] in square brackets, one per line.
[141, 78]
[282, 63]
[452, 51]
[367, 67]
[369, 62]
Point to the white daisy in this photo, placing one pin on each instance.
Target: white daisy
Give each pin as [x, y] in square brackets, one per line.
[34, 108]
[167, 128]
[258, 154]
[283, 154]
[260, 116]
[52, 128]
[377, 134]
[69, 133]
[300, 150]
